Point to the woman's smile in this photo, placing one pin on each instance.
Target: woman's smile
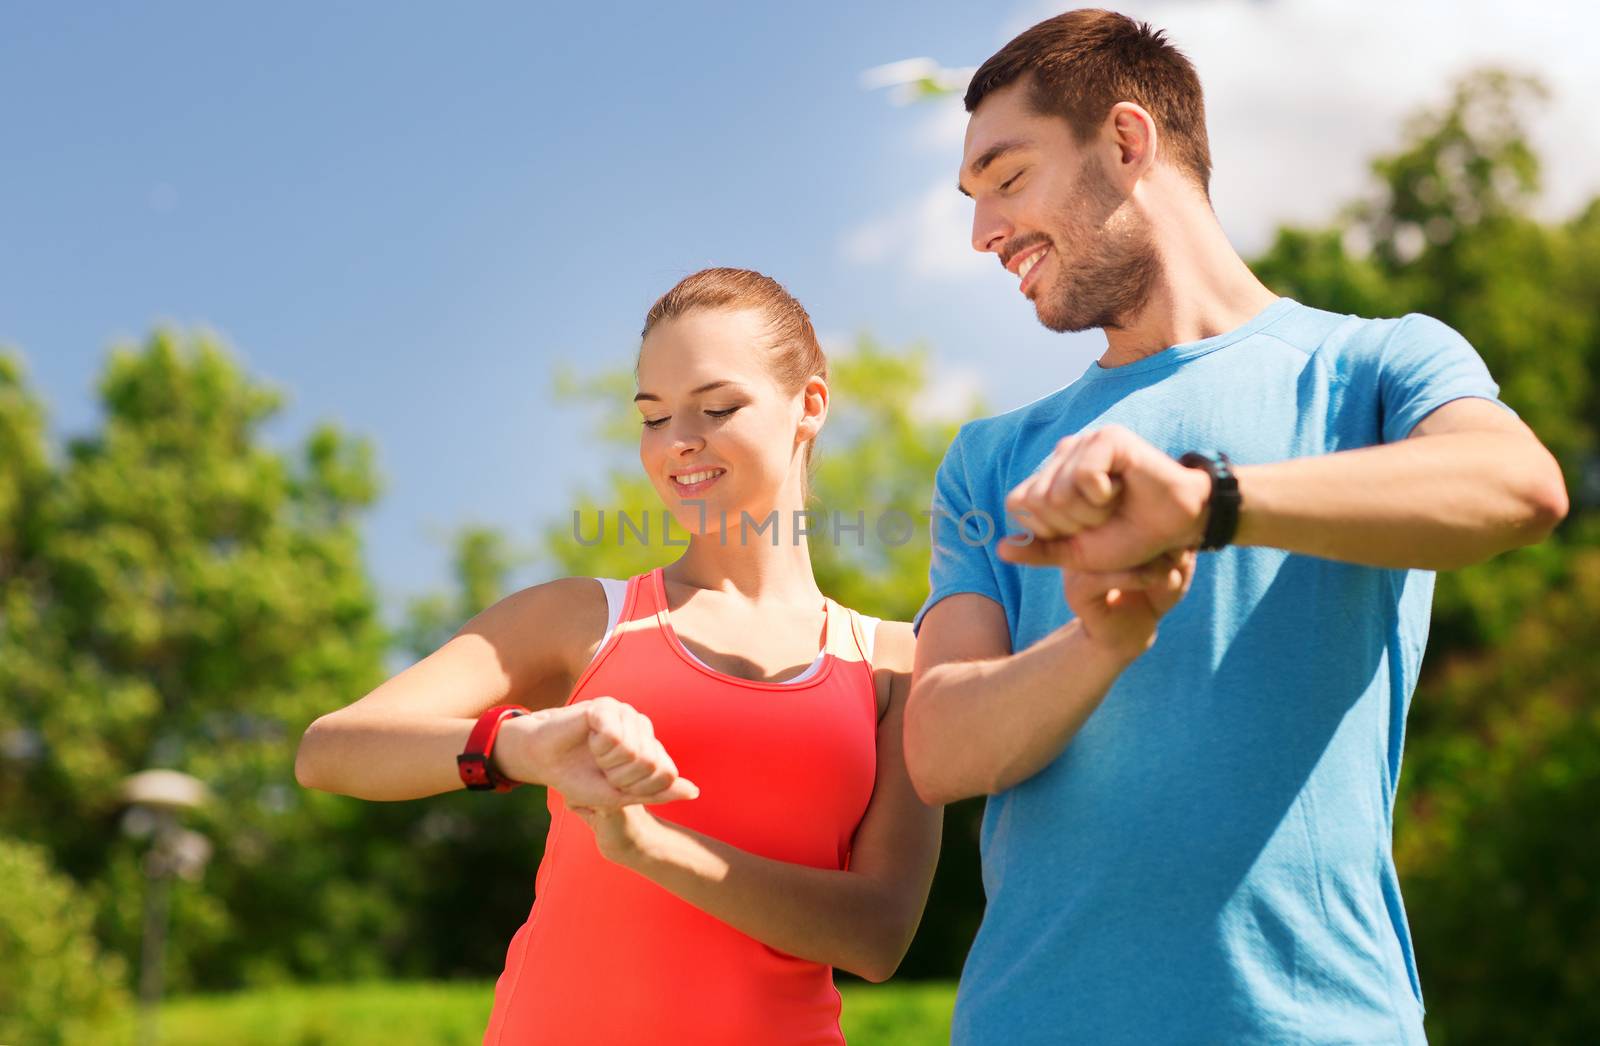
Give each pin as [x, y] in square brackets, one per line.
[696, 481]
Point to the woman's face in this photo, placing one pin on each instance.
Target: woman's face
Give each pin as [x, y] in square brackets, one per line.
[717, 428]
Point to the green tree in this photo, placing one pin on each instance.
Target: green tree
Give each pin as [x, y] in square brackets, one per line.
[1503, 751]
[55, 986]
[176, 593]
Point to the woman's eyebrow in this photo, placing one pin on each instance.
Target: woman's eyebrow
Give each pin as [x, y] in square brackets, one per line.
[707, 387]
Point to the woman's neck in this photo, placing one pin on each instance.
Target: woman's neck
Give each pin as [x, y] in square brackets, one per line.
[758, 566]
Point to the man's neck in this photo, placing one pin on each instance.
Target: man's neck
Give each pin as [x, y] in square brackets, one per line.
[1205, 289]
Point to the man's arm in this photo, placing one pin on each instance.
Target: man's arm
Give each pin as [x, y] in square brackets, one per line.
[1470, 481]
[982, 719]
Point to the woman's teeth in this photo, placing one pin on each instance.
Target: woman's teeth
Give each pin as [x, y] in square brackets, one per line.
[696, 477]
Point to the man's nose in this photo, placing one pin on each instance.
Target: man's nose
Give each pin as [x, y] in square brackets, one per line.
[989, 228]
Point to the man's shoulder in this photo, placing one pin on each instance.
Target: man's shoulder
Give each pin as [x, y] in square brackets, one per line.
[987, 435]
[1314, 330]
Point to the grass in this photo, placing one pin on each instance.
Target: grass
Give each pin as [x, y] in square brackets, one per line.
[454, 1013]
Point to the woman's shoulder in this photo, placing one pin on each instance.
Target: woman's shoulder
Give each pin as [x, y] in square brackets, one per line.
[890, 645]
[563, 593]
[564, 618]
[894, 646]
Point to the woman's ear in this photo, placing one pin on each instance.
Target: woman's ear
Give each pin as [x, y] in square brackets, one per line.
[813, 408]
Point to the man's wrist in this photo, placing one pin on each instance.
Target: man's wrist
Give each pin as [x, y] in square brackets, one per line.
[1104, 654]
[1220, 511]
[1195, 497]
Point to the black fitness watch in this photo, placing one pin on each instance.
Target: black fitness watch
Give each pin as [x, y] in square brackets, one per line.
[1222, 507]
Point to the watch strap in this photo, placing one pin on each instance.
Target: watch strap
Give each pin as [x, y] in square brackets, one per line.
[473, 764]
[1222, 507]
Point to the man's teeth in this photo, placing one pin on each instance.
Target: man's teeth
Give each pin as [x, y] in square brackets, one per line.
[697, 477]
[1032, 260]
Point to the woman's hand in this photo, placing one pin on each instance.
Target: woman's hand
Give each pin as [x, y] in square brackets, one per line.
[622, 833]
[596, 753]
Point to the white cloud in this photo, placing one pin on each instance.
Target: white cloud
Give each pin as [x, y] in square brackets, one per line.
[942, 131]
[950, 394]
[927, 237]
[1299, 96]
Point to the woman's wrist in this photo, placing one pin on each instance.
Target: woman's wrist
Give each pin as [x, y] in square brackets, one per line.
[515, 750]
[627, 836]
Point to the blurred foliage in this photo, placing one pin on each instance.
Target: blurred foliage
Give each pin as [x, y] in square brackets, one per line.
[483, 562]
[174, 592]
[1502, 776]
[55, 986]
[423, 1014]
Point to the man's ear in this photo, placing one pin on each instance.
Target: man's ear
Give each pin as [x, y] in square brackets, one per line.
[1130, 132]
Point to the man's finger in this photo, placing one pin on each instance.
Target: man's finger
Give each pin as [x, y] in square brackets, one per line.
[1100, 585]
[1034, 488]
[1100, 489]
[1096, 467]
[1083, 492]
[1058, 552]
[1047, 500]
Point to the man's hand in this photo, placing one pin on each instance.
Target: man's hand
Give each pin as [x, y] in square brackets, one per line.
[1120, 609]
[1105, 500]
[596, 753]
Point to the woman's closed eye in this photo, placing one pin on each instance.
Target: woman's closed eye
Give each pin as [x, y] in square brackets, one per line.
[656, 423]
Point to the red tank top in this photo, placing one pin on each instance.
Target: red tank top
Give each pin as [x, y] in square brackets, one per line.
[785, 771]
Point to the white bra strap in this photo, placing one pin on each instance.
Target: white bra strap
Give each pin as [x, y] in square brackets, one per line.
[869, 632]
[616, 595]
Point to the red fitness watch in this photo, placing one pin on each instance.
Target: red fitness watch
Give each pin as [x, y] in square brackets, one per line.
[473, 762]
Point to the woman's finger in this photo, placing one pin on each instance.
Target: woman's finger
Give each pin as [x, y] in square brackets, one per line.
[681, 788]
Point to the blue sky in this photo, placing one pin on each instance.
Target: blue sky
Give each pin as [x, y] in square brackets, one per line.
[407, 216]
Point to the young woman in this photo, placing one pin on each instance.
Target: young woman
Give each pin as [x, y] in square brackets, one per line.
[730, 815]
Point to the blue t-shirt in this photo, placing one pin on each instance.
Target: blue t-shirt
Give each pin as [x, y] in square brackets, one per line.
[1209, 859]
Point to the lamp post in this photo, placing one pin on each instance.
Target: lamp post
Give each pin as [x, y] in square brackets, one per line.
[155, 798]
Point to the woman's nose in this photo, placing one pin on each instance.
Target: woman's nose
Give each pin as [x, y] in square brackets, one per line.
[686, 440]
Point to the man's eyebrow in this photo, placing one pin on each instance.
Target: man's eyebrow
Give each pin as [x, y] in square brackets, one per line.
[707, 387]
[989, 156]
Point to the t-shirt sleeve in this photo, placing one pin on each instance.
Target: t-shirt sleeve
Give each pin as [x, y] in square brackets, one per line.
[960, 558]
[1426, 364]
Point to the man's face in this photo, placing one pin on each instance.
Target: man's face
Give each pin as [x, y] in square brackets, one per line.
[1046, 207]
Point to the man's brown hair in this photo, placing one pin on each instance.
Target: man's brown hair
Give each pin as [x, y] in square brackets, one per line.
[1081, 63]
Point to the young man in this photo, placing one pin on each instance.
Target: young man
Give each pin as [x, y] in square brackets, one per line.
[1188, 840]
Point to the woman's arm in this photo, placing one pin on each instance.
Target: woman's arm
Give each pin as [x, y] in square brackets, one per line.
[401, 740]
[862, 919]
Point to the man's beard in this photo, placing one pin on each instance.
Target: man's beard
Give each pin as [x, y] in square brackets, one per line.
[1116, 267]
